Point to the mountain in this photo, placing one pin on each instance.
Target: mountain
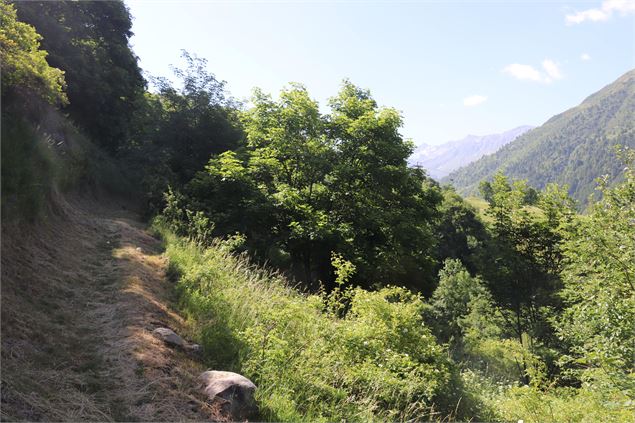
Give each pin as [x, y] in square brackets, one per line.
[442, 159]
[573, 148]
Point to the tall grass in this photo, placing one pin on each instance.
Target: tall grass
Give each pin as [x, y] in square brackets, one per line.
[378, 362]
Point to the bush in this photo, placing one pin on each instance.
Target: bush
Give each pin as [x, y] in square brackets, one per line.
[377, 362]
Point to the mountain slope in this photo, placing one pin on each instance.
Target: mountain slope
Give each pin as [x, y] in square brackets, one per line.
[442, 159]
[573, 148]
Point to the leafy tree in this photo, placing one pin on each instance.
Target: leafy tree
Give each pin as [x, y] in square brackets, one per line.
[179, 127]
[599, 321]
[292, 155]
[522, 263]
[23, 64]
[460, 233]
[308, 184]
[453, 300]
[195, 119]
[88, 40]
[388, 206]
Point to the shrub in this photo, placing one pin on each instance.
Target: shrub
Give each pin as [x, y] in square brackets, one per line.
[377, 362]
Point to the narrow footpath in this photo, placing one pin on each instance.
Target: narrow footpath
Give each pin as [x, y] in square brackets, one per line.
[82, 292]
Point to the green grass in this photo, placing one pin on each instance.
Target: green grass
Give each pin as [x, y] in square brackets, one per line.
[379, 362]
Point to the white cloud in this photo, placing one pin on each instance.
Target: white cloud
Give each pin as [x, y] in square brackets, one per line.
[552, 69]
[585, 57]
[474, 100]
[551, 72]
[522, 72]
[606, 10]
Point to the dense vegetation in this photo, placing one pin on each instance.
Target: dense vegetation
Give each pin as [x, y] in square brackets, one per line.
[573, 148]
[310, 257]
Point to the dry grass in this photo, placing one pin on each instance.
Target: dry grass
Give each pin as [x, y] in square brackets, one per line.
[81, 293]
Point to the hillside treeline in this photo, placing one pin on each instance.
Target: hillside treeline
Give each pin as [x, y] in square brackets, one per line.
[424, 307]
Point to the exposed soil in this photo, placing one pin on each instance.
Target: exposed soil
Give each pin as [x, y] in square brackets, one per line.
[81, 293]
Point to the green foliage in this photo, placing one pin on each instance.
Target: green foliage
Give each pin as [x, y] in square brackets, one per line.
[572, 148]
[26, 164]
[452, 301]
[23, 65]
[88, 40]
[599, 321]
[52, 156]
[178, 128]
[535, 405]
[526, 247]
[460, 231]
[308, 184]
[377, 362]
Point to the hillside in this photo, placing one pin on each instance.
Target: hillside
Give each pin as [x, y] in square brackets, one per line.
[440, 160]
[573, 148]
[81, 294]
[176, 254]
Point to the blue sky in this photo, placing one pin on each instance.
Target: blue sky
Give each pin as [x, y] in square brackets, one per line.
[451, 67]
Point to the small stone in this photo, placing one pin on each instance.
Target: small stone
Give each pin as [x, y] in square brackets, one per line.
[195, 348]
[236, 390]
[169, 337]
[138, 248]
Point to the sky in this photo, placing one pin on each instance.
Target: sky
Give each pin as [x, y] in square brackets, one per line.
[453, 68]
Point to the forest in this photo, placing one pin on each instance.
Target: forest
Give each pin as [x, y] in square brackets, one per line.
[307, 255]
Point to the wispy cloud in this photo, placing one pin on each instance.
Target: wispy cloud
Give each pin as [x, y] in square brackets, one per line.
[585, 57]
[551, 72]
[606, 10]
[552, 69]
[474, 100]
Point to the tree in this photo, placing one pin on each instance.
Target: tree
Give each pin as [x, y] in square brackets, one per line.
[88, 40]
[196, 118]
[307, 185]
[460, 233]
[388, 206]
[522, 263]
[452, 299]
[23, 64]
[599, 276]
[292, 155]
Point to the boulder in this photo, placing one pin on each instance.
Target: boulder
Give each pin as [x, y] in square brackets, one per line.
[235, 392]
[169, 337]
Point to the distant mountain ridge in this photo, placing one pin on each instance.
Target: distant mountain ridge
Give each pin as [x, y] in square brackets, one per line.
[440, 160]
[574, 147]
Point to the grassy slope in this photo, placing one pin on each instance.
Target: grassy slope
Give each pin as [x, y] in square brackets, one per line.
[380, 362]
[81, 293]
[574, 147]
[82, 287]
[310, 365]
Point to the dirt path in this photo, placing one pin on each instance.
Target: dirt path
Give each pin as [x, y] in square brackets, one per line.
[81, 293]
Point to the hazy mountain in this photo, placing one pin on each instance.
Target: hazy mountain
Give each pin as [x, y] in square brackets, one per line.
[573, 148]
[442, 159]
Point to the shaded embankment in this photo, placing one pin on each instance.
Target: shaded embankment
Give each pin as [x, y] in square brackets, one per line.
[81, 293]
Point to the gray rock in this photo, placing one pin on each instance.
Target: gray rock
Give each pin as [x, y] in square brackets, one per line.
[194, 348]
[169, 337]
[235, 391]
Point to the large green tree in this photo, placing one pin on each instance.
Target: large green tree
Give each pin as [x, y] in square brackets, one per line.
[308, 184]
[88, 40]
[387, 206]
